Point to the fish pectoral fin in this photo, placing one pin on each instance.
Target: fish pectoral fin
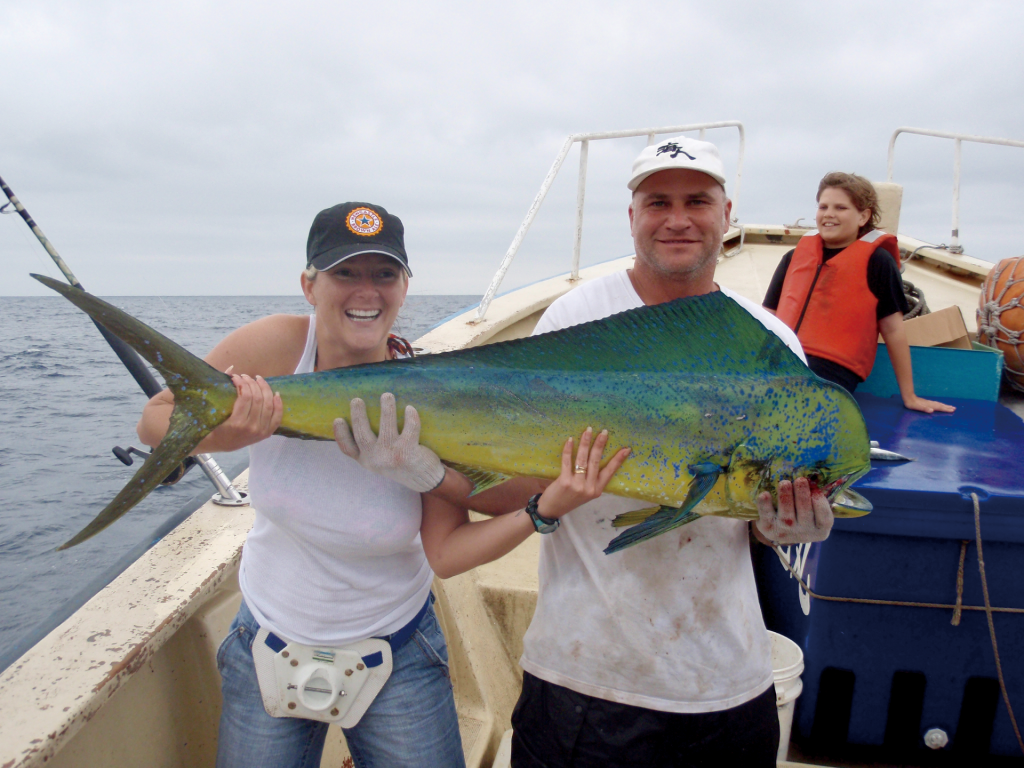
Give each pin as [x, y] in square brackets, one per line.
[482, 479]
[667, 518]
[662, 521]
[637, 516]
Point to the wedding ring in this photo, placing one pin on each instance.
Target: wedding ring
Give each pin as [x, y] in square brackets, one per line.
[580, 470]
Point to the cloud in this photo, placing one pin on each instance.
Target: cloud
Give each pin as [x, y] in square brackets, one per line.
[185, 149]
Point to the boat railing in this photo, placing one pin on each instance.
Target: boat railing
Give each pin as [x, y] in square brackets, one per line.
[584, 140]
[954, 246]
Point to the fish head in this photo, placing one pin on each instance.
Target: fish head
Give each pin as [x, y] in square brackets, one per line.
[749, 477]
[824, 440]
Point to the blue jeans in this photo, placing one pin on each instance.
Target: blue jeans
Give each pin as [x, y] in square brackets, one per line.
[412, 722]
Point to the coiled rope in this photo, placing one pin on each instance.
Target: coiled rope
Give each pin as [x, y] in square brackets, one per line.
[913, 294]
[915, 298]
[957, 607]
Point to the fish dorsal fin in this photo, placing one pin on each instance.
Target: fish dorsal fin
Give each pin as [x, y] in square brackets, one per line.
[696, 335]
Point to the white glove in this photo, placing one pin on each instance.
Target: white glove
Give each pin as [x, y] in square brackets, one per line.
[802, 516]
[399, 457]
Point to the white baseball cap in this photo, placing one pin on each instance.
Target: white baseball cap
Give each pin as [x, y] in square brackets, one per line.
[680, 152]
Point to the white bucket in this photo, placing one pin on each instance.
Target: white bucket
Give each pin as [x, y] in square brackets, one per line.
[787, 665]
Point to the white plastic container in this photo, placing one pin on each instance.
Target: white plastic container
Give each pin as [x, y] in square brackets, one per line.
[787, 666]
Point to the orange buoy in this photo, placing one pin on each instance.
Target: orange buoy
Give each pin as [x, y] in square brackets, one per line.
[1001, 316]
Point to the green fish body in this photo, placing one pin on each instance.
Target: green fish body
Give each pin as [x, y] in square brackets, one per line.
[715, 408]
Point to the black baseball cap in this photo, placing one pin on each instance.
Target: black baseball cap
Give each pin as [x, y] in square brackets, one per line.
[351, 229]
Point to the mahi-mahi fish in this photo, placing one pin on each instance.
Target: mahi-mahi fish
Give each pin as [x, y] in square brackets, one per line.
[715, 407]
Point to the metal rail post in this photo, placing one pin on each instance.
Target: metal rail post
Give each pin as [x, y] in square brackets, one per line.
[581, 190]
[955, 247]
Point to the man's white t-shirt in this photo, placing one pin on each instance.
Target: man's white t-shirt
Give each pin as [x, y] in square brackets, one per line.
[672, 624]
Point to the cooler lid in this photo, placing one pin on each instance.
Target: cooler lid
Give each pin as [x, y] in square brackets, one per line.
[979, 449]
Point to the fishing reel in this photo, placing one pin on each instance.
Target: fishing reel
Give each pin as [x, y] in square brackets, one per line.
[125, 457]
[227, 495]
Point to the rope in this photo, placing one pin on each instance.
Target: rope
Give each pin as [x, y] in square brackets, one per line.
[869, 601]
[991, 624]
[960, 585]
[915, 298]
[913, 294]
[956, 607]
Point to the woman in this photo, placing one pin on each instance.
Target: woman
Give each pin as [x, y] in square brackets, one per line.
[338, 553]
[841, 287]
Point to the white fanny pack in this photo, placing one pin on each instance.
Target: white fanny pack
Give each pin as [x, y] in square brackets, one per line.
[332, 685]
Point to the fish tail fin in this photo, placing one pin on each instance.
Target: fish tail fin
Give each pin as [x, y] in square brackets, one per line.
[180, 440]
[203, 398]
[662, 521]
[666, 518]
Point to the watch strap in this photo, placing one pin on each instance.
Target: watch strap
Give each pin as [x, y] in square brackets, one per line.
[540, 523]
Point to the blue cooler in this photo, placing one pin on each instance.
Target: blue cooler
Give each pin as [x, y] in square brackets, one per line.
[878, 678]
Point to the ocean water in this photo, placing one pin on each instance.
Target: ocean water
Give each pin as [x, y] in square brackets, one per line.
[67, 401]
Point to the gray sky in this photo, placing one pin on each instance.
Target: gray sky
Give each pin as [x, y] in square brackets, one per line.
[184, 148]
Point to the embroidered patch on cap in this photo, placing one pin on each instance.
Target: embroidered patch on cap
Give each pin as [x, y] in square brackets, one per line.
[363, 221]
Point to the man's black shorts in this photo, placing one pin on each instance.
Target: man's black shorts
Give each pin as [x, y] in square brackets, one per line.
[554, 727]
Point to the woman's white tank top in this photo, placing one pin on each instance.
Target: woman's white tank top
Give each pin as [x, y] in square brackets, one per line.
[334, 555]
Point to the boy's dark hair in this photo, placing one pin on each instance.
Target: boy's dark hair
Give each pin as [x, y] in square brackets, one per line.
[862, 195]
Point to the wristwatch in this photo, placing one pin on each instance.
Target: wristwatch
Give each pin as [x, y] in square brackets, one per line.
[541, 523]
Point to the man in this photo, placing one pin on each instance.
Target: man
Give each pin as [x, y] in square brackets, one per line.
[657, 655]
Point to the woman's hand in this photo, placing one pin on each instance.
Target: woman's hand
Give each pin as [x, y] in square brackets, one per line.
[399, 457]
[255, 416]
[583, 480]
[803, 515]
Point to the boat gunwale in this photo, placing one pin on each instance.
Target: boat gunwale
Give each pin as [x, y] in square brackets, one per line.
[213, 536]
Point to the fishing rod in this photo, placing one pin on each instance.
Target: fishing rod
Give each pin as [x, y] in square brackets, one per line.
[137, 368]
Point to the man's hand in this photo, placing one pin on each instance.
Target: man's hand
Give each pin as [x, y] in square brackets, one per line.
[399, 457]
[802, 516]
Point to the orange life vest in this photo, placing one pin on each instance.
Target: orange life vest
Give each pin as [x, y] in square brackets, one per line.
[829, 304]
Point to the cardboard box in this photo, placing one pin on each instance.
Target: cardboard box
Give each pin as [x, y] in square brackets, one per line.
[944, 328]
